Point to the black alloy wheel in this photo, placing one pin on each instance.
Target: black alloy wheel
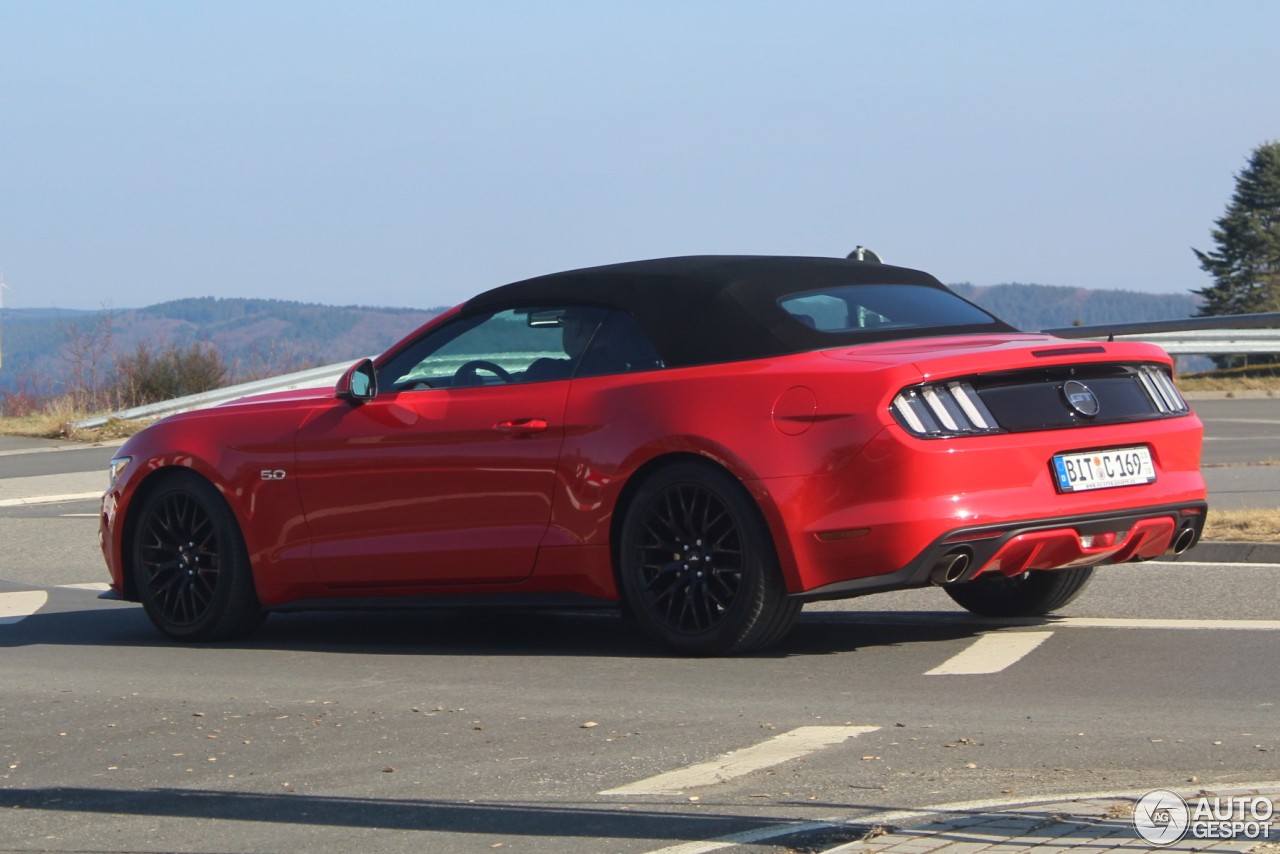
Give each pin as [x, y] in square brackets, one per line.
[697, 566]
[189, 563]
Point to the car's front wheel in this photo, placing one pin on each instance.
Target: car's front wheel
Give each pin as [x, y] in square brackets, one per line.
[697, 566]
[189, 563]
[1031, 594]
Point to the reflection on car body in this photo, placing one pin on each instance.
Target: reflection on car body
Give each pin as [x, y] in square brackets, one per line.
[708, 441]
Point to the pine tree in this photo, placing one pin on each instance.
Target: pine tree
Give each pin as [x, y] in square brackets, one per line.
[1246, 263]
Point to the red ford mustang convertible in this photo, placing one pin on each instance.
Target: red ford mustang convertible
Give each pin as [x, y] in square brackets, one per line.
[709, 442]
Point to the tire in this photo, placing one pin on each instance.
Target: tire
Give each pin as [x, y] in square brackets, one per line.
[1031, 594]
[189, 563]
[697, 567]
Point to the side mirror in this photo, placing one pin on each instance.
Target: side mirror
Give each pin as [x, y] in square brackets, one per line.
[358, 383]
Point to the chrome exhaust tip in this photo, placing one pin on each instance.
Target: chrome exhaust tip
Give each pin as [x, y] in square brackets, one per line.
[1185, 540]
[952, 567]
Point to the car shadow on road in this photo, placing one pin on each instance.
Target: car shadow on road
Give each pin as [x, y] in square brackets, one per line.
[1078, 824]
[485, 632]
[440, 816]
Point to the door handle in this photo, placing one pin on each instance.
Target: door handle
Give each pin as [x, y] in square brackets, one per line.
[521, 426]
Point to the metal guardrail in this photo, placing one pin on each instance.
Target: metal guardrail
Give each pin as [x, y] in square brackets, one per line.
[326, 375]
[1214, 342]
[1193, 336]
[1264, 320]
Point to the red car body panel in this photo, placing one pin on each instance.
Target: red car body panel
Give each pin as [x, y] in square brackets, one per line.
[516, 488]
[444, 495]
[498, 504]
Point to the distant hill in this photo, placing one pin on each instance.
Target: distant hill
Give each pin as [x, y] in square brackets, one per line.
[255, 337]
[1035, 307]
[262, 337]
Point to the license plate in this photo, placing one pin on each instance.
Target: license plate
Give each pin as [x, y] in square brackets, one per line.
[1103, 469]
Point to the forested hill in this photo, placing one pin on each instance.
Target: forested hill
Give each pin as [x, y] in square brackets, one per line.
[1035, 307]
[262, 337]
[255, 337]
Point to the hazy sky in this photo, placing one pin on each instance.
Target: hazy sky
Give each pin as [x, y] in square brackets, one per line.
[413, 153]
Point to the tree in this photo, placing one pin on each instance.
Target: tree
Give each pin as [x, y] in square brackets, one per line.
[87, 354]
[149, 375]
[1246, 263]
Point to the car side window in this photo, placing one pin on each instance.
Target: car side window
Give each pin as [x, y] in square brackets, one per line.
[518, 345]
[620, 346]
[858, 308]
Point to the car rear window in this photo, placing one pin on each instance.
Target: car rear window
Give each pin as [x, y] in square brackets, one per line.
[876, 308]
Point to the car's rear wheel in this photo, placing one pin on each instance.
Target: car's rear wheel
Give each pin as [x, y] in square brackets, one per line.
[1031, 594]
[697, 565]
[189, 563]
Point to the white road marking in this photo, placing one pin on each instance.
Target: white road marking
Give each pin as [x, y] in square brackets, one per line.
[79, 515]
[955, 619]
[88, 585]
[47, 449]
[991, 653]
[781, 748]
[48, 499]
[1140, 623]
[15, 607]
[999, 649]
[47, 488]
[1193, 564]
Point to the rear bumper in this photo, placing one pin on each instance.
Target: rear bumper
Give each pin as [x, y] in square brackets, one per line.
[883, 516]
[1043, 544]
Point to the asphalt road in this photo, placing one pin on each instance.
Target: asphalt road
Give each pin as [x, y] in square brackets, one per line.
[554, 732]
[1241, 451]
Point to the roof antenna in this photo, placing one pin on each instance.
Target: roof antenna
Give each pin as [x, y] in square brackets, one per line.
[862, 253]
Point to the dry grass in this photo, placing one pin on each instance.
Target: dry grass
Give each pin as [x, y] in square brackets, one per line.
[50, 422]
[38, 426]
[56, 424]
[111, 430]
[1270, 386]
[1250, 526]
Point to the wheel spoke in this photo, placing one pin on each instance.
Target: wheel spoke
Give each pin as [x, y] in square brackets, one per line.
[719, 591]
[682, 508]
[704, 615]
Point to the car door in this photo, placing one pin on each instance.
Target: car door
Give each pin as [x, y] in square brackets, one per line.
[446, 476]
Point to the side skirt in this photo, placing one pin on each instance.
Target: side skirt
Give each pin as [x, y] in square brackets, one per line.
[511, 601]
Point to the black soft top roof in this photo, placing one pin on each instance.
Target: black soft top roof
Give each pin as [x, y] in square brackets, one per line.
[701, 309]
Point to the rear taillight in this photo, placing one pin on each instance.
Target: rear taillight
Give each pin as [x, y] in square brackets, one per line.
[943, 409]
[1160, 388]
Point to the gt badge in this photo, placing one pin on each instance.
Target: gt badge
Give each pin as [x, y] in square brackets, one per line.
[1080, 398]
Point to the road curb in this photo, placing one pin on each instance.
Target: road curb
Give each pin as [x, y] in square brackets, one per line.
[1218, 551]
[1093, 822]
